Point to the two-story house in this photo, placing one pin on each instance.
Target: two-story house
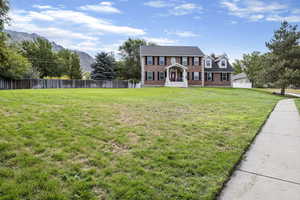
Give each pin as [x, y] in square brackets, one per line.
[181, 66]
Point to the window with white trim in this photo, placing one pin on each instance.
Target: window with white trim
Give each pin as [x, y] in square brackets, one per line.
[173, 60]
[161, 75]
[196, 61]
[185, 60]
[223, 63]
[161, 60]
[149, 60]
[209, 76]
[196, 76]
[208, 63]
[150, 76]
[224, 77]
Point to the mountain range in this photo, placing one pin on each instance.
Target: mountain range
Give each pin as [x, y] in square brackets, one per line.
[85, 59]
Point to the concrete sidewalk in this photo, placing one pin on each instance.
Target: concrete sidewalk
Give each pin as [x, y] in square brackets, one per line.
[271, 169]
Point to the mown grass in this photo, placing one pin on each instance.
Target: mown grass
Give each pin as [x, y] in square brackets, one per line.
[295, 91]
[151, 143]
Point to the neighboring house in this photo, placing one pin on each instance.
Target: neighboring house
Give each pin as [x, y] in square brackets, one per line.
[241, 81]
[181, 66]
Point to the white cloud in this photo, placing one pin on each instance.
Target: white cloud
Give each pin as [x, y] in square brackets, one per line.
[39, 16]
[185, 9]
[179, 8]
[42, 7]
[158, 4]
[79, 18]
[160, 40]
[290, 18]
[182, 33]
[102, 7]
[296, 11]
[253, 10]
[256, 17]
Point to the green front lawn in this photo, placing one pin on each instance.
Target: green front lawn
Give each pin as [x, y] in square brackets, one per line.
[151, 143]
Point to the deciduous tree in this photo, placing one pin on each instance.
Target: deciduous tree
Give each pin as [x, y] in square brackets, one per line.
[43, 59]
[70, 64]
[14, 65]
[130, 66]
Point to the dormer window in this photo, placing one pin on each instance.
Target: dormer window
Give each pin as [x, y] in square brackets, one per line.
[149, 60]
[185, 60]
[223, 63]
[208, 63]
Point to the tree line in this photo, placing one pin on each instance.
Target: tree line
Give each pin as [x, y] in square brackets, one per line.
[33, 59]
[280, 66]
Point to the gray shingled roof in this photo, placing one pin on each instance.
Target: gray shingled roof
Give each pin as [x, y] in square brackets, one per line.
[239, 76]
[216, 68]
[170, 51]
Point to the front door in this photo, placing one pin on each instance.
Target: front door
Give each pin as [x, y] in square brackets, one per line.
[173, 76]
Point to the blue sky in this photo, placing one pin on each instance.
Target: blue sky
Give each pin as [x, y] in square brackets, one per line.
[221, 26]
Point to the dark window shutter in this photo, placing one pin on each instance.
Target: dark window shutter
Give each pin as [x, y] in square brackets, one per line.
[165, 60]
[188, 76]
[165, 74]
[188, 61]
[221, 75]
[193, 61]
[158, 76]
[153, 74]
[212, 76]
[145, 60]
[181, 60]
[192, 75]
[228, 76]
[158, 60]
[200, 76]
[146, 76]
[205, 76]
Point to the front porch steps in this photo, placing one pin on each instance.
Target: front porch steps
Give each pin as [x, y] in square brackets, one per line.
[182, 84]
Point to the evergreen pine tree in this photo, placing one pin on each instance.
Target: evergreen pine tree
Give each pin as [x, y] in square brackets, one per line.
[104, 67]
[283, 66]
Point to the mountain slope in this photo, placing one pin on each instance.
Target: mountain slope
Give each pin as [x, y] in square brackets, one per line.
[85, 59]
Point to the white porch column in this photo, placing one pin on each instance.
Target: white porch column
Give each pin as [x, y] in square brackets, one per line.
[168, 77]
[185, 78]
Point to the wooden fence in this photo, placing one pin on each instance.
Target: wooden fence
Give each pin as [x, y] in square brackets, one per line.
[43, 83]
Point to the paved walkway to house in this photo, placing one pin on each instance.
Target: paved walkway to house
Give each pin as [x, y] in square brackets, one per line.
[271, 169]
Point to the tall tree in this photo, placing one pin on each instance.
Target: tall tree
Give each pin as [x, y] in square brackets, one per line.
[130, 67]
[252, 65]
[70, 62]
[75, 72]
[104, 67]
[237, 66]
[4, 8]
[14, 66]
[284, 63]
[43, 59]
